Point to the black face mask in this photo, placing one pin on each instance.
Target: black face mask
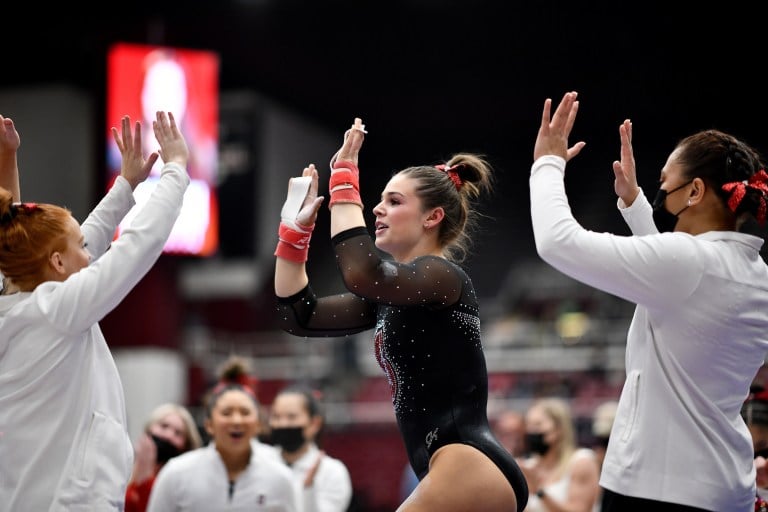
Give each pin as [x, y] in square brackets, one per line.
[664, 219]
[165, 450]
[290, 439]
[536, 444]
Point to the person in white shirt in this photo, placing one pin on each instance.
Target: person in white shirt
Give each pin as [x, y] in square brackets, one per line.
[64, 443]
[170, 431]
[561, 474]
[700, 330]
[232, 473]
[322, 483]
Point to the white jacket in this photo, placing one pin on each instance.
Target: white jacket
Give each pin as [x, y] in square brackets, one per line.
[64, 444]
[697, 339]
[332, 487]
[197, 481]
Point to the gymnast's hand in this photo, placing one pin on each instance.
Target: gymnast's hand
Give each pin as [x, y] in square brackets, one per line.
[353, 141]
[309, 208]
[552, 138]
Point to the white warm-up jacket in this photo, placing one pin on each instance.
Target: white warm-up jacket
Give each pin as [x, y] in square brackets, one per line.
[64, 444]
[698, 336]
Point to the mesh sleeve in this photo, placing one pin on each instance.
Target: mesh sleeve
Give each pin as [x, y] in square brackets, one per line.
[427, 280]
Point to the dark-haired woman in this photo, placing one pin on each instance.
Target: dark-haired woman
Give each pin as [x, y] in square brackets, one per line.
[322, 482]
[422, 306]
[232, 473]
[700, 329]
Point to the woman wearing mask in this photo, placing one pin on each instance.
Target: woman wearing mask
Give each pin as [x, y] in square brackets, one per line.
[561, 476]
[424, 311]
[700, 330]
[322, 482]
[170, 431]
[230, 473]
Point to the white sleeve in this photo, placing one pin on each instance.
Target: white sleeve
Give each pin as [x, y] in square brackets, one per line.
[638, 216]
[162, 496]
[100, 225]
[653, 270]
[88, 295]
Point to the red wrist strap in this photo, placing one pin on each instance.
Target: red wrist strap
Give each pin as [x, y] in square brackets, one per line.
[345, 164]
[293, 236]
[344, 185]
[293, 245]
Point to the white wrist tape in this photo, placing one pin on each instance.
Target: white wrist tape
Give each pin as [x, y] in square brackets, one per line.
[298, 188]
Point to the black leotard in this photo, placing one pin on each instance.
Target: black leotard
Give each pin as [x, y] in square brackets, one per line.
[427, 340]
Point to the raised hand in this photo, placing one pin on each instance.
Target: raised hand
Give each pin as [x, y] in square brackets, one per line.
[9, 168]
[353, 141]
[309, 480]
[173, 147]
[553, 133]
[145, 459]
[133, 167]
[9, 136]
[311, 204]
[625, 184]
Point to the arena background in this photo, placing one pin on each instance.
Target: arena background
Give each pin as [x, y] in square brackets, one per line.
[429, 78]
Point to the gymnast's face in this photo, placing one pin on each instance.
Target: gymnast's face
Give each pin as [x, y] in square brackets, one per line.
[400, 218]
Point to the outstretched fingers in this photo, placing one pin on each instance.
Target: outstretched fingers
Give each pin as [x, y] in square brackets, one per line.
[545, 117]
[564, 116]
[353, 141]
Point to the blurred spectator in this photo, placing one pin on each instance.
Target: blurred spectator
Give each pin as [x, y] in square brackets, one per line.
[230, 473]
[408, 482]
[560, 475]
[755, 414]
[170, 431]
[509, 428]
[602, 422]
[322, 483]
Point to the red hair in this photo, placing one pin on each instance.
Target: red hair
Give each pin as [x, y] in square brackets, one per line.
[29, 233]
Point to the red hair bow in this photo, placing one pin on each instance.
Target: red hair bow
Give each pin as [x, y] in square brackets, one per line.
[451, 172]
[738, 189]
[248, 384]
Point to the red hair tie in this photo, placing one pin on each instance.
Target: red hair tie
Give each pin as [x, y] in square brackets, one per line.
[14, 209]
[241, 381]
[451, 172]
[738, 189]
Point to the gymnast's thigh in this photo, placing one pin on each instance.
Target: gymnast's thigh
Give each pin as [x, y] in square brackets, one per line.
[461, 479]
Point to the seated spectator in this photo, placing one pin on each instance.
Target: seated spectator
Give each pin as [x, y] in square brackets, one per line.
[602, 422]
[170, 431]
[231, 473]
[560, 475]
[509, 427]
[322, 483]
[755, 414]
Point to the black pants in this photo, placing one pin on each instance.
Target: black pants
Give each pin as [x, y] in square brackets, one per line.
[613, 502]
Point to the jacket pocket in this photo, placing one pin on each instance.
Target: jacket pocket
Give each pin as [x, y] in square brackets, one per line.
[105, 463]
[633, 386]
